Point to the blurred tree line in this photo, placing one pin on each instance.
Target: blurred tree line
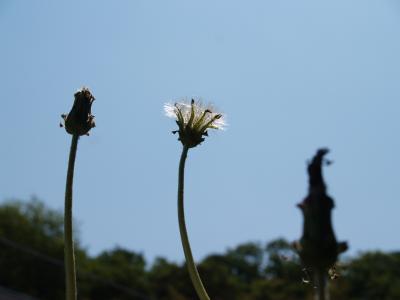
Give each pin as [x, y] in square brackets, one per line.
[31, 261]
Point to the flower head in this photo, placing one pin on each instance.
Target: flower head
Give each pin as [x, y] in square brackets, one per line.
[193, 120]
[80, 119]
[318, 247]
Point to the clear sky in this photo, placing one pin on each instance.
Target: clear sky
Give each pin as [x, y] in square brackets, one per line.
[291, 76]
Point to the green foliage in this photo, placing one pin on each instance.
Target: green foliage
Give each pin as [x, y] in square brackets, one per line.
[119, 274]
[170, 281]
[373, 275]
[27, 230]
[31, 261]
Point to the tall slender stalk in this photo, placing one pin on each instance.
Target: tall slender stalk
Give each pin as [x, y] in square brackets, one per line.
[194, 274]
[193, 120]
[322, 292]
[69, 255]
[78, 122]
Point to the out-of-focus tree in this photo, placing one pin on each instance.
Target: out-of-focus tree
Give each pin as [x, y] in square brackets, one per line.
[372, 275]
[31, 261]
[282, 277]
[170, 281]
[116, 274]
[220, 278]
[282, 262]
[31, 249]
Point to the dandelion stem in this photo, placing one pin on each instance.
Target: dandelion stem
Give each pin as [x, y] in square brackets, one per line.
[69, 256]
[321, 292]
[194, 274]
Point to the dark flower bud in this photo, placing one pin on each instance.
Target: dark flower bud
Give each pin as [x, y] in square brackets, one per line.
[318, 247]
[80, 120]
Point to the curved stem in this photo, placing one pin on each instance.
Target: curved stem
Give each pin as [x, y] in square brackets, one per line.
[194, 274]
[69, 255]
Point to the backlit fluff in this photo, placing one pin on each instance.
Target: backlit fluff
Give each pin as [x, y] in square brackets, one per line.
[193, 120]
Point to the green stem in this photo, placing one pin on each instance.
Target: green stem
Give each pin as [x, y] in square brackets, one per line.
[194, 274]
[69, 256]
[321, 292]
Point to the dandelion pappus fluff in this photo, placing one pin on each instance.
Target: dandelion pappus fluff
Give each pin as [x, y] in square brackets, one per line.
[194, 120]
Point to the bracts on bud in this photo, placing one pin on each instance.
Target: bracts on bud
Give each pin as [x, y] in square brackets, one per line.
[80, 120]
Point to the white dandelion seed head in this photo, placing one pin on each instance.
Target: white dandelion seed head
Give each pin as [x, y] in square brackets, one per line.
[194, 119]
[203, 113]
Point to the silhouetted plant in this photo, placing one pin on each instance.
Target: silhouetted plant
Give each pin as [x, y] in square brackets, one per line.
[193, 121]
[318, 247]
[78, 122]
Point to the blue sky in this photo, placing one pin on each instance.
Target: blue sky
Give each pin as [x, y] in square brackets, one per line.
[291, 76]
